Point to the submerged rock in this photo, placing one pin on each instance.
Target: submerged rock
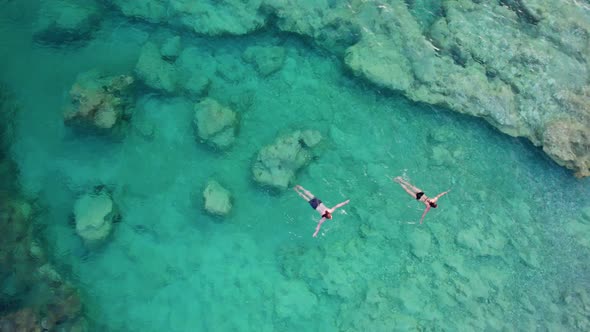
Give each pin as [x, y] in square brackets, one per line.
[155, 71]
[99, 101]
[171, 49]
[208, 17]
[173, 70]
[215, 123]
[64, 21]
[276, 165]
[94, 214]
[217, 199]
[266, 60]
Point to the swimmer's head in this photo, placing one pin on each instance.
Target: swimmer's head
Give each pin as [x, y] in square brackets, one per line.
[327, 215]
[432, 204]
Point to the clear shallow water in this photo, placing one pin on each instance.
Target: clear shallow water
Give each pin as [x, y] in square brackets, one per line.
[496, 254]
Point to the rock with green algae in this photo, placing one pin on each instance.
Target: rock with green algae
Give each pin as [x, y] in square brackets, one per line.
[168, 68]
[65, 21]
[531, 81]
[217, 199]
[266, 59]
[94, 214]
[215, 124]
[99, 101]
[155, 71]
[277, 164]
[530, 72]
[171, 48]
[208, 17]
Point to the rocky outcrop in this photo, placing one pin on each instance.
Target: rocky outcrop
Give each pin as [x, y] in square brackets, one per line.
[99, 101]
[207, 17]
[215, 124]
[217, 199]
[517, 78]
[520, 65]
[277, 164]
[95, 214]
[65, 21]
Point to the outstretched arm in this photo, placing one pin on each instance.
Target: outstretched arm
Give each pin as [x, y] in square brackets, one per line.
[317, 229]
[339, 205]
[440, 195]
[424, 214]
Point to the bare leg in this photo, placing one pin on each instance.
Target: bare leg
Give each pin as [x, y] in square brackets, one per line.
[306, 192]
[410, 192]
[405, 183]
[303, 193]
[302, 196]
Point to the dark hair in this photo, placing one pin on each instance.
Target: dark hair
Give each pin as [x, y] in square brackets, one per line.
[327, 215]
[433, 204]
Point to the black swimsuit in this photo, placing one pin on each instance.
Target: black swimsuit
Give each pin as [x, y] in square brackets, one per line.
[419, 195]
[314, 202]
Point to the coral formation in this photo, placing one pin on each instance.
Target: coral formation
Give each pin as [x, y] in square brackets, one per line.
[277, 164]
[98, 101]
[95, 213]
[217, 199]
[65, 21]
[215, 123]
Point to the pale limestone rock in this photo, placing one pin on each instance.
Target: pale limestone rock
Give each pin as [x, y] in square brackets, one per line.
[217, 199]
[215, 123]
[94, 214]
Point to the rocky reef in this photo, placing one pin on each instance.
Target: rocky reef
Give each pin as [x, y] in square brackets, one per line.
[520, 65]
[34, 296]
[99, 102]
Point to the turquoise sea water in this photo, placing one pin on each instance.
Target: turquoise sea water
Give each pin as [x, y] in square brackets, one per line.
[500, 253]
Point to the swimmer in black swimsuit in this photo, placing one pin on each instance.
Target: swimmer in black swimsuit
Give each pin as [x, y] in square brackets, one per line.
[317, 205]
[419, 195]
